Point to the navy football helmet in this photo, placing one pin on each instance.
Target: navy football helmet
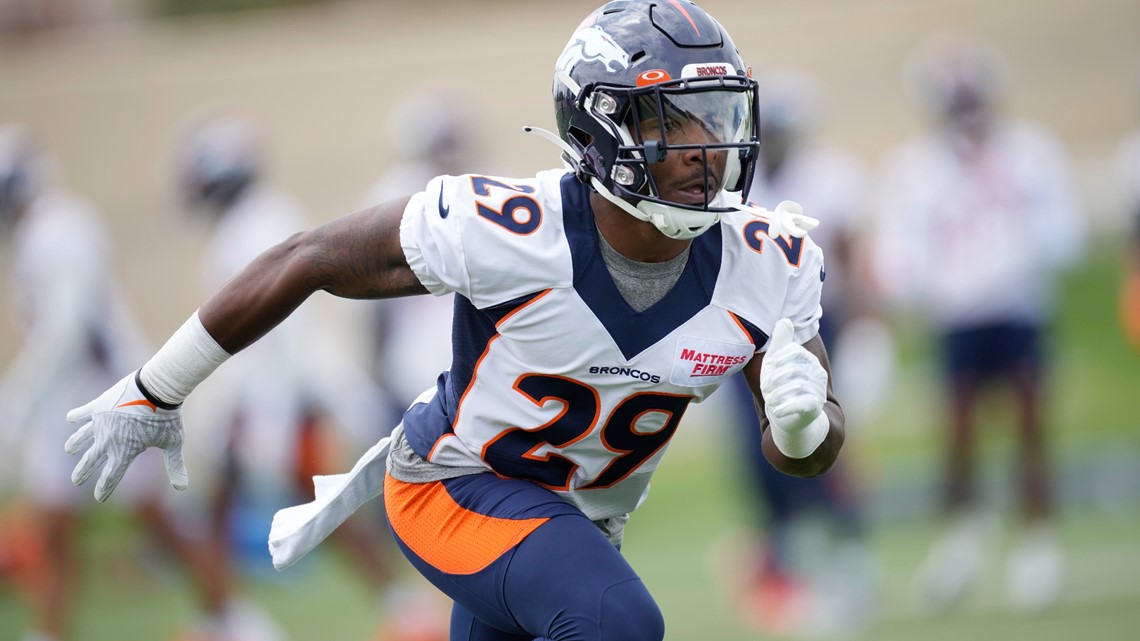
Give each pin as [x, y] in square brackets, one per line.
[24, 171]
[635, 74]
[219, 160]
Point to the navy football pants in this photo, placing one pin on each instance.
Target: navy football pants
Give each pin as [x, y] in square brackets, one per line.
[519, 562]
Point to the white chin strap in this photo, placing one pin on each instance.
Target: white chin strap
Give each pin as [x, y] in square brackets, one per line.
[674, 222]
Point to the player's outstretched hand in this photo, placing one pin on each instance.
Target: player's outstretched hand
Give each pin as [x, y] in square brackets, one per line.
[119, 425]
[794, 385]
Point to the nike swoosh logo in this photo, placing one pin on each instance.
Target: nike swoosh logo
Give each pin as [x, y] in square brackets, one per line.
[443, 209]
[143, 402]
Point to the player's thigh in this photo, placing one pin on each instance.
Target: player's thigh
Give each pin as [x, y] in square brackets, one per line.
[465, 626]
[520, 560]
[567, 581]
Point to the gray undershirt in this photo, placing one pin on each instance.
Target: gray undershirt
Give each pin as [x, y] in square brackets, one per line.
[641, 285]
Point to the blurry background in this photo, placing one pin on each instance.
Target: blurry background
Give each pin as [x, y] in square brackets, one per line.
[111, 88]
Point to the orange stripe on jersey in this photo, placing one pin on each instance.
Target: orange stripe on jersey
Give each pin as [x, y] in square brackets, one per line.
[522, 307]
[747, 334]
[450, 537]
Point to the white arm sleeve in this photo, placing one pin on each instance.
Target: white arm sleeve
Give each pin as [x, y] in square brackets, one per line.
[188, 357]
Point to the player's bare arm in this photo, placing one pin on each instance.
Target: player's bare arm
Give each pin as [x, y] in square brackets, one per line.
[356, 256]
[820, 460]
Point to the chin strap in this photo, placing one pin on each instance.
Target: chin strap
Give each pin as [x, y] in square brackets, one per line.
[788, 219]
[573, 159]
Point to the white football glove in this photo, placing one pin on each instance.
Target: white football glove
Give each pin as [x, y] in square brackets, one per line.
[123, 423]
[794, 385]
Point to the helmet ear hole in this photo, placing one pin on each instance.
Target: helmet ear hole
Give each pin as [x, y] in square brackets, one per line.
[579, 136]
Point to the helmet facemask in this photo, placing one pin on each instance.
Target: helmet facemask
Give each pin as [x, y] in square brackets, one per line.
[711, 120]
[656, 111]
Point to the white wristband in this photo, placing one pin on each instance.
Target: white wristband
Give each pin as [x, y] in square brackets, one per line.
[800, 443]
[187, 358]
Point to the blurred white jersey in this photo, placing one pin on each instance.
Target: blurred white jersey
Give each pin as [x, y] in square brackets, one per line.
[979, 240]
[555, 378]
[300, 365]
[1128, 170]
[414, 343]
[830, 185]
[79, 338]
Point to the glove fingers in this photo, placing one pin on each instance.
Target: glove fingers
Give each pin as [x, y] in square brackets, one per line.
[798, 406]
[92, 459]
[113, 472]
[176, 468]
[81, 439]
[81, 413]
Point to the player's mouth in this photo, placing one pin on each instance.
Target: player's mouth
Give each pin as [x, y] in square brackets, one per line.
[696, 190]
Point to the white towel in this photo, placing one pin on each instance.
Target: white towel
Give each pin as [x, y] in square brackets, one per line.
[297, 530]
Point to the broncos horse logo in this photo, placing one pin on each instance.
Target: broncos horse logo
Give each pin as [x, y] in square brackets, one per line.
[593, 45]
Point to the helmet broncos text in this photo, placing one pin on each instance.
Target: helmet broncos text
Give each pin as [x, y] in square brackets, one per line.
[632, 68]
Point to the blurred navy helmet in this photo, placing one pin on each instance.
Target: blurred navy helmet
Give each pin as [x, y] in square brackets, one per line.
[789, 108]
[219, 159]
[959, 82]
[788, 100]
[24, 171]
[634, 74]
[433, 125]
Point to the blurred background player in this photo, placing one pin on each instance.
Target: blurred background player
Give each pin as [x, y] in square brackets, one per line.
[814, 574]
[292, 401]
[1128, 165]
[430, 131]
[78, 335]
[980, 219]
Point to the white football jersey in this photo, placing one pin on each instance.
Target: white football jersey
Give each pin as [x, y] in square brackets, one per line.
[299, 366]
[830, 185]
[555, 378]
[979, 239]
[80, 338]
[1128, 171]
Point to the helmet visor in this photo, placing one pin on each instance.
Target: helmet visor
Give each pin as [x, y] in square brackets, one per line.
[675, 119]
[715, 127]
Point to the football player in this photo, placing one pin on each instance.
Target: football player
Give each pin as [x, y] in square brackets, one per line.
[981, 219]
[593, 304]
[1128, 167]
[781, 593]
[280, 401]
[78, 337]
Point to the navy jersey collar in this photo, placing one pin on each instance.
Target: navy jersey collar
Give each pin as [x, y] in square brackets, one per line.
[634, 331]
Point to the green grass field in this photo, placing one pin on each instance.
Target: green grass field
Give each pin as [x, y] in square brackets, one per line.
[696, 502]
